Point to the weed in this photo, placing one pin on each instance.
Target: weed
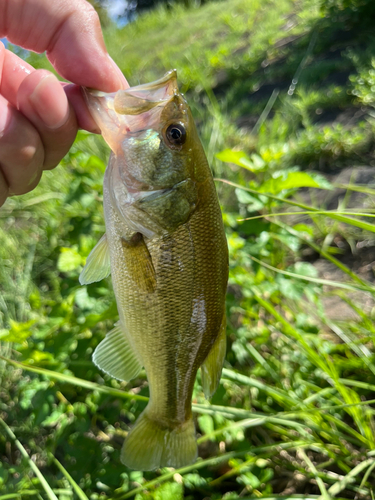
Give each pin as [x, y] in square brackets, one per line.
[293, 416]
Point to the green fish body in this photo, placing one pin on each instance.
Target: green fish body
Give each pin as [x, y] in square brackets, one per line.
[166, 250]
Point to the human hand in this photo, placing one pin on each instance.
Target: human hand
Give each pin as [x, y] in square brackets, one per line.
[40, 116]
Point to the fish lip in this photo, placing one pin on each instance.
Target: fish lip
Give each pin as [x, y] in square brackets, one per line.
[169, 81]
[142, 98]
[170, 77]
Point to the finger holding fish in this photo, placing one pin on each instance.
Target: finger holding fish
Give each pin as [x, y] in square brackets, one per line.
[37, 124]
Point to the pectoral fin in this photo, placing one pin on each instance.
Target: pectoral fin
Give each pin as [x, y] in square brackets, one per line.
[139, 260]
[115, 356]
[98, 264]
[213, 364]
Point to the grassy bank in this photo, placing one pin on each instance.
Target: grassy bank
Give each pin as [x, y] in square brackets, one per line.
[283, 96]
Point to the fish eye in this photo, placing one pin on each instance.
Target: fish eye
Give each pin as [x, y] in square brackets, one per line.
[176, 134]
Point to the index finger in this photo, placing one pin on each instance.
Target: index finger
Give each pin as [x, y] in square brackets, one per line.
[70, 33]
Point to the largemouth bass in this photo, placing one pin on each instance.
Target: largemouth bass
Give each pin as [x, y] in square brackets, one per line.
[166, 250]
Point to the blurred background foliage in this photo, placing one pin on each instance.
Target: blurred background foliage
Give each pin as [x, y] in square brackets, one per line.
[283, 94]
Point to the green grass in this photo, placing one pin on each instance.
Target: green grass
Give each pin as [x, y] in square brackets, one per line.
[294, 414]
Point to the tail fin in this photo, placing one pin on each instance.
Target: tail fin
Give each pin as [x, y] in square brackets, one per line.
[150, 446]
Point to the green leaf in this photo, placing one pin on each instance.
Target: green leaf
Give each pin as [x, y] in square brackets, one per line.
[206, 423]
[243, 196]
[95, 163]
[258, 162]
[293, 180]
[30, 389]
[304, 269]
[237, 157]
[249, 479]
[169, 491]
[289, 240]
[18, 332]
[83, 300]
[304, 228]
[321, 180]
[37, 356]
[194, 480]
[86, 199]
[254, 204]
[255, 163]
[82, 135]
[54, 417]
[69, 259]
[291, 289]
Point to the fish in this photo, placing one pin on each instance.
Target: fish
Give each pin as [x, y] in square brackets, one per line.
[166, 250]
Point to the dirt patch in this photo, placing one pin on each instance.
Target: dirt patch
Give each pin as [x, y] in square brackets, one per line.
[356, 248]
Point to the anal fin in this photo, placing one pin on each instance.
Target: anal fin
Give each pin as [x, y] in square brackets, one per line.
[213, 364]
[98, 264]
[115, 356]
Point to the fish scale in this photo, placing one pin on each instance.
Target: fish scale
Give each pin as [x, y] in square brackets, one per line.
[168, 257]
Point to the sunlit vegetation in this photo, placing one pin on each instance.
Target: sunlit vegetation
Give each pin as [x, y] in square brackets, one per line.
[283, 94]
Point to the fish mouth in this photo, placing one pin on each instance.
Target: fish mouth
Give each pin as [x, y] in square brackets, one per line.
[126, 111]
[142, 98]
[139, 99]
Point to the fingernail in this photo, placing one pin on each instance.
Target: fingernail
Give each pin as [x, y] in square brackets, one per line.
[5, 115]
[123, 84]
[50, 102]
